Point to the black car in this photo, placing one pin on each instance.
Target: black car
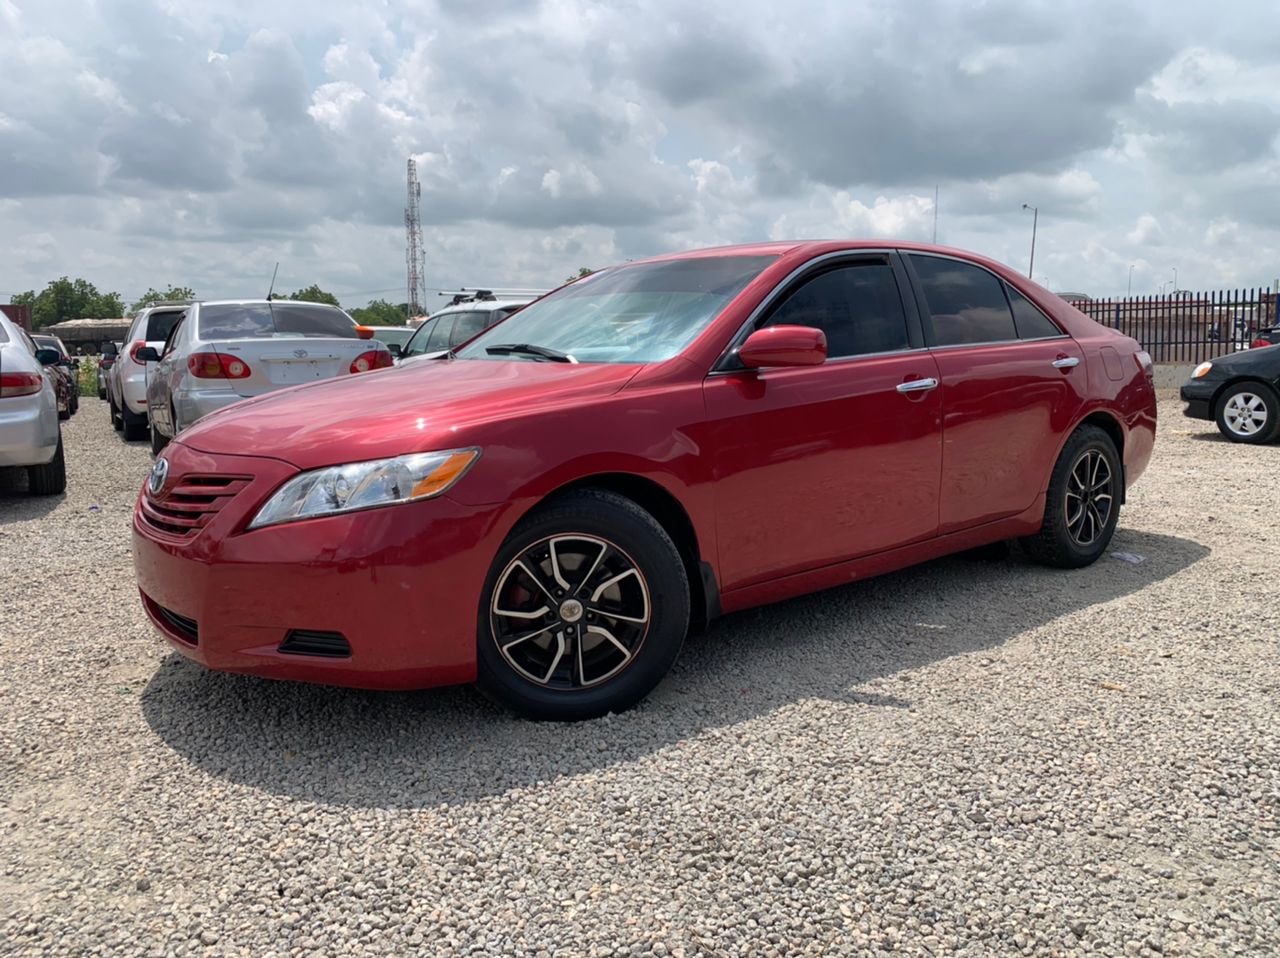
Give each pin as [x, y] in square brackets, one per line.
[1239, 391]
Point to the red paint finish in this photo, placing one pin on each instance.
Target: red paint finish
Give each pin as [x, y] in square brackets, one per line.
[792, 479]
[813, 466]
[1006, 409]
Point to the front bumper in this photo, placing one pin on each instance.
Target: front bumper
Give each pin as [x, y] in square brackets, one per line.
[1198, 395]
[401, 584]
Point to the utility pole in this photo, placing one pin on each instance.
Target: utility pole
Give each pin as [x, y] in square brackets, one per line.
[1129, 291]
[413, 253]
[1035, 219]
[935, 215]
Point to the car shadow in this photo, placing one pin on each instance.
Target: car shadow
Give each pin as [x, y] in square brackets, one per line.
[16, 501]
[405, 750]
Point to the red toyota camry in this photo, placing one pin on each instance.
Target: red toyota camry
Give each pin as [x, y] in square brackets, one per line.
[551, 507]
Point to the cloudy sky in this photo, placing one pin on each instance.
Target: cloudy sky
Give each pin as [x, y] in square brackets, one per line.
[146, 142]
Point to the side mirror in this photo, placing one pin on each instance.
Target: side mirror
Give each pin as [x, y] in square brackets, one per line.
[109, 351]
[782, 346]
[48, 357]
[394, 350]
[147, 354]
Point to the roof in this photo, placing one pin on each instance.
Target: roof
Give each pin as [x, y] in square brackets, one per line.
[486, 304]
[69, 325]
[264, 302]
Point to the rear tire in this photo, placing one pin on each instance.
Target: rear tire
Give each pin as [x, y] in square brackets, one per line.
[49, 479]
[1248, 413]
[135, 426]
[102, 394]
[1082, 506]
[595, 662]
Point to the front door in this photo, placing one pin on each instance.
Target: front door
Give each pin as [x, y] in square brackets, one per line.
[820, 464]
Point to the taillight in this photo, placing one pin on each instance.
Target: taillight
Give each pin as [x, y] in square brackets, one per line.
[217, 366]
[1259, 343]
[373, 359]
[133, 351]
[1144, 363]
[20, 384]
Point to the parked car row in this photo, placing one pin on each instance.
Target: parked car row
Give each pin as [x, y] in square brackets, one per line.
[555, 501]
[67, 369]
[184, 361]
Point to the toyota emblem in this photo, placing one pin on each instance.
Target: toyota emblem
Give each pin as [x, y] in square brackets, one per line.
[300, 353]
[159, 473]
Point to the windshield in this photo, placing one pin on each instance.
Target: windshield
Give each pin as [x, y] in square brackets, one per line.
[392, 334]
[275, 320]
[630, 314]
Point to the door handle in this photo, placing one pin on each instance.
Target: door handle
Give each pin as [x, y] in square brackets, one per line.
[1066, 362]
[917, 385]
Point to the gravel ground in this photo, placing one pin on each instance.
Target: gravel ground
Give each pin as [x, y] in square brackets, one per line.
[974, 757]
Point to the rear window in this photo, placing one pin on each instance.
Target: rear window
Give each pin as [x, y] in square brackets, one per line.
[160, 324]
[264, 321]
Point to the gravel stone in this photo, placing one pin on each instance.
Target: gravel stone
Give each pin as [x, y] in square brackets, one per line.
[976, 757]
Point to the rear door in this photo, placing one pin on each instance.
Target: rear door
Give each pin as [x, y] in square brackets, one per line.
[1012, 384]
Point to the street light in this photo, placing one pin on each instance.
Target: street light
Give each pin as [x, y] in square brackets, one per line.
[1129, 292]
[1035, 219]
[1175, 279]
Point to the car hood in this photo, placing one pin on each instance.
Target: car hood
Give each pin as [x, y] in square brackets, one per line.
[1263, 361]
[393, 412]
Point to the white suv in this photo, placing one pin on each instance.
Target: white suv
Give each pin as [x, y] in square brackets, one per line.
[466, 317]
[127, 380]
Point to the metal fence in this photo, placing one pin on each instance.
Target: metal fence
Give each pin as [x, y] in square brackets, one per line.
[1188, 327]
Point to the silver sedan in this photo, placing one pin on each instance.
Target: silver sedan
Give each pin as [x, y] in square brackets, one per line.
[222, 352]
[30, 436]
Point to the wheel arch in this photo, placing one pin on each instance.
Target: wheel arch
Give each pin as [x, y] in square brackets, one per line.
[671, 514]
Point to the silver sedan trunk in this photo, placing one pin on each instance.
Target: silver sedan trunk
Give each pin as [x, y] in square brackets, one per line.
[223, 352]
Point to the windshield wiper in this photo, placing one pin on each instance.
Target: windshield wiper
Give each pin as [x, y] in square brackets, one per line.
[544, 352]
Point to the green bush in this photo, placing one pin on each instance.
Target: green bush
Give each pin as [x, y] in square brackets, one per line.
[88, 375]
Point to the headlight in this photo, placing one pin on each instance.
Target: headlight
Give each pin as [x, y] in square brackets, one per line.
[1201, 370]
[365, 485]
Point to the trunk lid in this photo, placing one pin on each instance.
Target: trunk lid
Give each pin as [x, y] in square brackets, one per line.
[277, 362]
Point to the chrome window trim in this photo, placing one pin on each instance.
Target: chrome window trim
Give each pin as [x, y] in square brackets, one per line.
[738, 337]
[998, 342]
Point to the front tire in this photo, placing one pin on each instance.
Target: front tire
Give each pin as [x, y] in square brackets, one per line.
[116, 422]
[49, 479]
[1249, 413]
[1082, 506]
[584, 610]
[158, 440]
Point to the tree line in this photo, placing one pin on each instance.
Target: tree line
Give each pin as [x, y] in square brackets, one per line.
[65, 298]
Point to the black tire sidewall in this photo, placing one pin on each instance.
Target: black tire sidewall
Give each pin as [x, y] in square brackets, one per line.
[1069, 552]
[1269, 398]
[657, 558]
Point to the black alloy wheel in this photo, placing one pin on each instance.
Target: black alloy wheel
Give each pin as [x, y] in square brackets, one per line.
[585, 609]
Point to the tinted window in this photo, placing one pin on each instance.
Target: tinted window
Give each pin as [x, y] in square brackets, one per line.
[467, 325]
[440, 335]
[160, 324]
[857, 306]
[263, 320]
[1031, 323]
[966, 302]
